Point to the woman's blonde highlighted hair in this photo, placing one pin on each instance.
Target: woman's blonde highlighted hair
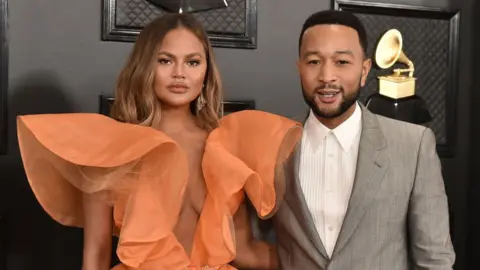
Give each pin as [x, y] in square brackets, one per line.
[135, 99]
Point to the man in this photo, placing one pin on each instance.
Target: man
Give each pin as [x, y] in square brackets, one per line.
[364, 192]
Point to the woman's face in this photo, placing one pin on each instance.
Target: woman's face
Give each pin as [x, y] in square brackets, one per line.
[180, 69]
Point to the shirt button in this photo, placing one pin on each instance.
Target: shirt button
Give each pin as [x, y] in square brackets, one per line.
[330, 228]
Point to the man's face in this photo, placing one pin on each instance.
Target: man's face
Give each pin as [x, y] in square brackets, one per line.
[332, 69]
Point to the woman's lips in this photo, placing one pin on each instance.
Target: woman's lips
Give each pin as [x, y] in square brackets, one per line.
[178, 88]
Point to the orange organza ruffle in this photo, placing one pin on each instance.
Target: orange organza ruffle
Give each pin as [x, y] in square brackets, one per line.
[143, 174]
[245, 154]
[253, 147]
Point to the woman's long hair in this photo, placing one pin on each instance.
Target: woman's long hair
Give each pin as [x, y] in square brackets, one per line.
[135, 98]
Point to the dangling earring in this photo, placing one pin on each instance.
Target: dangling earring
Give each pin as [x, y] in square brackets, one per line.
[201, 101]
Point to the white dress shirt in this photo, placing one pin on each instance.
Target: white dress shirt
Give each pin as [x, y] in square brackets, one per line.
[327, 170]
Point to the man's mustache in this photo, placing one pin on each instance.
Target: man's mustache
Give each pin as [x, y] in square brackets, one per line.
[329, 86]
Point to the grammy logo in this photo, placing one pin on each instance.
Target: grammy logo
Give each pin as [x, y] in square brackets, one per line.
[388, 52]
[396, 97]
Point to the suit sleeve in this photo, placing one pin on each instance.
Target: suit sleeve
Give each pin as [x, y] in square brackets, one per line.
[429, 228]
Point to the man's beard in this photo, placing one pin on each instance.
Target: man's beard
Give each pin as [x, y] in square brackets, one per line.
[345, 104]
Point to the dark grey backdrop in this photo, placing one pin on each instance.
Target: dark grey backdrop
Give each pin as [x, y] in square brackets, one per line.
[59, 64]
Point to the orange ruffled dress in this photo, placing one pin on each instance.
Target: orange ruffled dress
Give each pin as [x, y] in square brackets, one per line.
[143, 173]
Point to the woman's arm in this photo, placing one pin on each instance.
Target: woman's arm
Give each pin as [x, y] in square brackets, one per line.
[97, 240]
[251, 253]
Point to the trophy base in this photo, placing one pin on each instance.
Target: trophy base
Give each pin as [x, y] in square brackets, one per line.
[412, 109]
[396, 87]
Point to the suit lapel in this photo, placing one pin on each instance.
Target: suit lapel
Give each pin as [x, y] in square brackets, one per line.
[296, 201]
[371, 166]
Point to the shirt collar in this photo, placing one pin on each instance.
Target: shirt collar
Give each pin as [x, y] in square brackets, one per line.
[345, 133]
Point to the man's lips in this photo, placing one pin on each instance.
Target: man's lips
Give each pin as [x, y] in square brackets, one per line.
[328, 96]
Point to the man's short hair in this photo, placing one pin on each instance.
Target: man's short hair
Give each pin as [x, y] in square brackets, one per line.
[336, 17]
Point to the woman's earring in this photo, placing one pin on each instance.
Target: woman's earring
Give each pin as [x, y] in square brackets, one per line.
[201, 102]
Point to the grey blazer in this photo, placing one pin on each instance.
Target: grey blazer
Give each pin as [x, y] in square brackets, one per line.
[397, 218]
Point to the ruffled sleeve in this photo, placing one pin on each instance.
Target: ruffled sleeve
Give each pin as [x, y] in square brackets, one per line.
[244, 155]
[141, 171]
[247, 153]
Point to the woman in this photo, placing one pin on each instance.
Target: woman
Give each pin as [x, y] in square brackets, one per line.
[168, 178]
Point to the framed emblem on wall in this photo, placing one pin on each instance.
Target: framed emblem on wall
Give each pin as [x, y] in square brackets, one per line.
[229, 23]
[229, 106]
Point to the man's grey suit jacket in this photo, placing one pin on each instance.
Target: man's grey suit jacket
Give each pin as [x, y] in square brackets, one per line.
[397, 218]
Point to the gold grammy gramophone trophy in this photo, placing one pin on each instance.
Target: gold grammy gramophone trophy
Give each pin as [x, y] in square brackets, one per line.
[388, 52]
[396, 97]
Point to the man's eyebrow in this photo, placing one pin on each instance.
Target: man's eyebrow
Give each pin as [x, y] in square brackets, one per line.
[309, 53]
[344, 52]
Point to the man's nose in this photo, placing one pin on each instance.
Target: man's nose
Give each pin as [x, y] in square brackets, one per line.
[327, 73]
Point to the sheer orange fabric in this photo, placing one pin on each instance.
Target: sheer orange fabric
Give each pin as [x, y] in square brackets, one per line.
[143, 174]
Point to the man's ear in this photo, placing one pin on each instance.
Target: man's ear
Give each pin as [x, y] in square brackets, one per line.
[366, 67]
